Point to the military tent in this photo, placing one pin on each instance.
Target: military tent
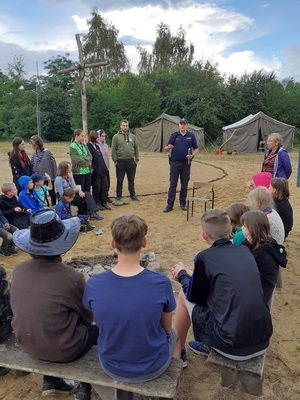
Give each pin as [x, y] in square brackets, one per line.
[154, 136]
[245, 135]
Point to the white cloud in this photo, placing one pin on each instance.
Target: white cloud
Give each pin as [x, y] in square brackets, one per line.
[213, 30]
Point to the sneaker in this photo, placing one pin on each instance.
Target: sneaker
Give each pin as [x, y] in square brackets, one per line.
[13, 251]
[183, 207]
[199, 348]
[100, 207]
[59, 387]
[90, 228]
[134, 198]
[100, 231]
[118, 202]
[183, 358]
[168, 209]
[83, 391]
[109, 200]
[5, 253]
[4, 371]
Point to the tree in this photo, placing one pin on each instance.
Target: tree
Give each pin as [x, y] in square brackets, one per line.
[16, 69]
[100, 44]
[168, 51]
[55, 92]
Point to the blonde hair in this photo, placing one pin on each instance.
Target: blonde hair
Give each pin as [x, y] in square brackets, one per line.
[6, 187]
[260, 198]
[216, 224]
[128, 232]
[277, 137]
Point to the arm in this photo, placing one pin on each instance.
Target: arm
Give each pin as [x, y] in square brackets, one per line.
[53, 165]
[136, 150]
[81, 161]
[166, 321]
[24, 202]
[286, 164]
[114, 149]
[50, 187]
[59, 185]
[170, 144]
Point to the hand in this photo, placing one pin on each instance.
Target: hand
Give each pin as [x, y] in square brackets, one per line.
[47, 176]
[6, 226]
[190, 156]
[168, 147]
[81, 194]
[18, 209]
[176, 269]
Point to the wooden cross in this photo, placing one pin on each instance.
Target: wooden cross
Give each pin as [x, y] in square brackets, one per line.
[81, 68]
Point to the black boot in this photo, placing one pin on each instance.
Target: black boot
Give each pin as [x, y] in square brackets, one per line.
[105, 206]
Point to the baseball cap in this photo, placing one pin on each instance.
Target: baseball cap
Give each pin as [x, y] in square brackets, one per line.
[38, 177]
[183, 121]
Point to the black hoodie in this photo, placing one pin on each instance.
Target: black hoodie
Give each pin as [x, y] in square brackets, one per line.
[268, 257]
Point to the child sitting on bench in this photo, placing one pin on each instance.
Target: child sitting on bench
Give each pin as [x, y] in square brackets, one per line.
[223, 297]
[133, 307]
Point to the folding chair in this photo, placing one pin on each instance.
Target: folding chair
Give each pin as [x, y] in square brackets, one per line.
[208, 187]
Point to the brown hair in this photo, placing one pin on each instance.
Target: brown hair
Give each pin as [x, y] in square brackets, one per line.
[16, 151]
[235, 211]
[6, 187]
[93, 136]
[260, 198]
[69, 192]
[128, 232]
[258, 225]
[62, 169]
[281, 187]
[37, 141]
[216, 224]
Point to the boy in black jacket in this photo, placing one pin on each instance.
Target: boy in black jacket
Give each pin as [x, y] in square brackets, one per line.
[11, 208]
[222, 297]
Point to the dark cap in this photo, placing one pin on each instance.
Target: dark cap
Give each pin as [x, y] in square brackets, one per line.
[38, 177]
[183, 121]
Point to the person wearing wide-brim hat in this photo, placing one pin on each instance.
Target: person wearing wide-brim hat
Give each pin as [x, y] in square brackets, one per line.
[49, 319]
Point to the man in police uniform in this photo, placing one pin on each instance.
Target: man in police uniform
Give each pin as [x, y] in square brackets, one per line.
[184, 148]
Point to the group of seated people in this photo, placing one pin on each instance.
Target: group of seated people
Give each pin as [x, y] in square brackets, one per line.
[227, 301]
[16, 208]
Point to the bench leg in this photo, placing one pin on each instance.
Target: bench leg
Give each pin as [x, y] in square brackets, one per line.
[251, 383]
[108, 393]
[229, 377]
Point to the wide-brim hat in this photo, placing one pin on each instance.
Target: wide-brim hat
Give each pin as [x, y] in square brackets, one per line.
[48, 235]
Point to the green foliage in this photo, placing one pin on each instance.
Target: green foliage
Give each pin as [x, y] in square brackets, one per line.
[101, 44]
[169, 80]
[168, 51]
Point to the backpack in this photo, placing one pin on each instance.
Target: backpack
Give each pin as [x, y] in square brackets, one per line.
[5, 309]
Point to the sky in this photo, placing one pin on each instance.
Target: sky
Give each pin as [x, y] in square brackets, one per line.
[239, 35]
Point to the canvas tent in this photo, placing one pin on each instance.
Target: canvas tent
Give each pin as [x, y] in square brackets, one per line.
[245, 135]
[154, 136]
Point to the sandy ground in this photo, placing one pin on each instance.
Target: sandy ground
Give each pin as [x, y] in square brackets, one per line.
[174, 239]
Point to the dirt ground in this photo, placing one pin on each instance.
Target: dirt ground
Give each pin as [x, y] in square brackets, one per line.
[174, 239]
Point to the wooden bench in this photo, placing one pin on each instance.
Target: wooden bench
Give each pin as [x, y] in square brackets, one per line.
[249, 373]
[87, 369]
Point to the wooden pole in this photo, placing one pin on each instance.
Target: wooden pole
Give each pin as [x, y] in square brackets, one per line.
[82, 86]
[81, 68]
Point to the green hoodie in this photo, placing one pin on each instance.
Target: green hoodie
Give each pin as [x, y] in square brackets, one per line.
[124, 147]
